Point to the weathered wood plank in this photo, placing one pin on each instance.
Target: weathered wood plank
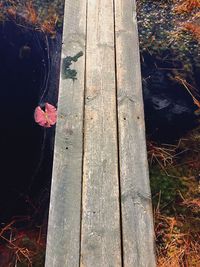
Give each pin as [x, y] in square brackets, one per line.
[63, 243]
[137, 226]
[101, 244]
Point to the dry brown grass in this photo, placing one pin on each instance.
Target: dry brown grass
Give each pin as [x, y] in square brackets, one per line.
[187, 6]
[27, 15]
[194, 204]
[12, 12]
[193, 28]
[32, 16]
[177, 242]
[19, 246]
[49, 24]
[177, 228]
[163, 155]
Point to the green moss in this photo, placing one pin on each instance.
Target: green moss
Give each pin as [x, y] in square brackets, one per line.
[67, 72]
[165, 189]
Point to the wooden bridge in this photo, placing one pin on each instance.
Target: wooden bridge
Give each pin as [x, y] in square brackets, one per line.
[100, 208]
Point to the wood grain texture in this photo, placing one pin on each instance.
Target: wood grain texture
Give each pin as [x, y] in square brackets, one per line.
[100, 246]
[137, 225]
[63, 242]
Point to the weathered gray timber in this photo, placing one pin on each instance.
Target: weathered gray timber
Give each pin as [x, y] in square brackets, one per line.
[63, 244]
[101, 244]
[137, 225]
[100, 208]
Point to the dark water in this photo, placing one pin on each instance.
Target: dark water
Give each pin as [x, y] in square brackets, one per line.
[169, 108]
[27, 59]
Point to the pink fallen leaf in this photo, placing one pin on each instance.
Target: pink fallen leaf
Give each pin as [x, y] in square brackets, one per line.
[45, 118]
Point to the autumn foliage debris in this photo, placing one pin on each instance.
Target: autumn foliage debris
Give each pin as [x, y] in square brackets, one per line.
[27, 15]
[187, 6]
[177, 220]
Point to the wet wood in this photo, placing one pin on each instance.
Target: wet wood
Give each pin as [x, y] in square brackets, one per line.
[63, 244]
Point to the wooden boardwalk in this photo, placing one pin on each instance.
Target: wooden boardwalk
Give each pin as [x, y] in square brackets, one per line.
[100, 209]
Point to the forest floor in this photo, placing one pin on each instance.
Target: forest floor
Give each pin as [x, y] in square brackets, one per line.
[175, 165]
